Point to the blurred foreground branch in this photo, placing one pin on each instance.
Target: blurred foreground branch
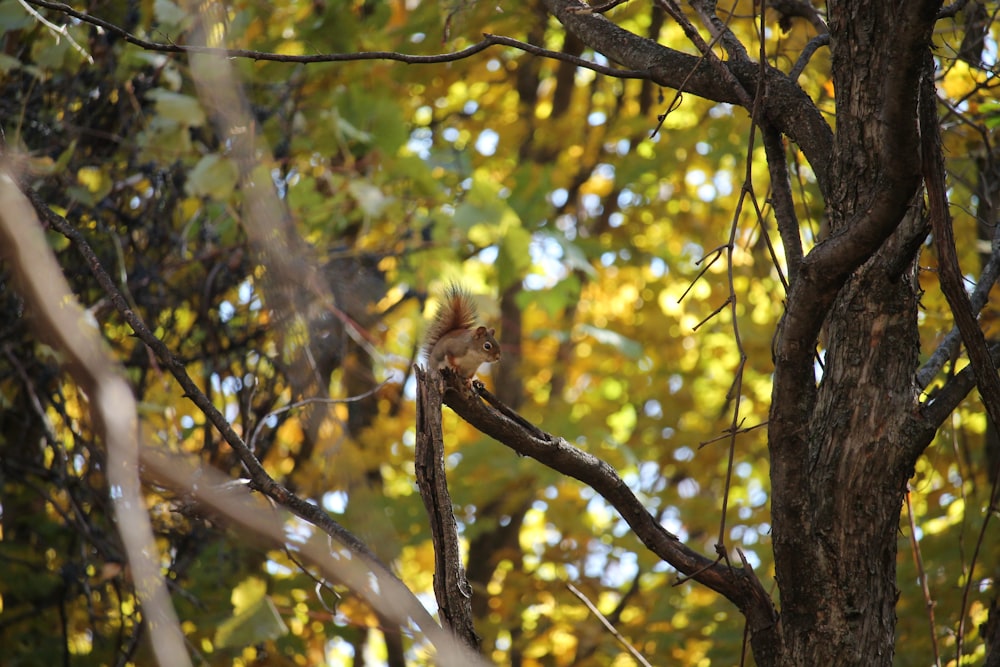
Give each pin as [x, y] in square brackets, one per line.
[59, 320]
[379, 587]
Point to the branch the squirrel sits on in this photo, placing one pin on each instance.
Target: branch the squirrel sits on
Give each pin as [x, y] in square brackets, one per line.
[455, 340]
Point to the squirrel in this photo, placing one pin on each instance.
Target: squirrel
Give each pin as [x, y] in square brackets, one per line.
[455, 340]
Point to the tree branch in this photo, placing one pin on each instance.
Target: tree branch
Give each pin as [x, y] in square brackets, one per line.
[785, 105]
[977, 301]
[390, 597]
[826, 269]
[807, 53]
[952, 280]
[451, 588]
[498, 421]
[781, 199]
[944, 401]
[800, 9]
[259, 477]
[59, 320]
[485, 43]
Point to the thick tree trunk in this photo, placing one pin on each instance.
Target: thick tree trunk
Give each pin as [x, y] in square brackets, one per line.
[840, 455]
[837, 568]
[842, 447]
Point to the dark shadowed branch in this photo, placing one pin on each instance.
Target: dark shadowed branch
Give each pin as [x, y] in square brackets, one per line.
[451, 588]
[952, 280]
[739, 585]
[60, 320]
[353, 547]
[487, 42]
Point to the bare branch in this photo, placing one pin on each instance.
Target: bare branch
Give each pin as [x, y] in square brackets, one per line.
[60, 31]
[781, 199]
[800, 9]
[736, 584]
[485, 43]
[389, 597]
[671, 8]
[977, 301]
[451, 587]
[918, 560]
[952, 281]
[811, 47]
[607, 624]
[786, 105]
[59, 319]
[599, 9]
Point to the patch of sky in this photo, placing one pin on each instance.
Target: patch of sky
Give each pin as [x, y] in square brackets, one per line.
[693, 250]
[721, 110]
[488, 255]
[688, 487]
[547, 254]
[335, 501]
[420, 142]
[756, 494]
[683, 454]
[990, 50]
[231, 385]
[486, 143]
[723, 182]
[592, 204]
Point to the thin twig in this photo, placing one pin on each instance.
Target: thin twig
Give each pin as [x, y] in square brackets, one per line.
[60, 31]
[727, 434]
[811, 47]
[607, 624]
[990, 509]
[310, 401]
[922, 576]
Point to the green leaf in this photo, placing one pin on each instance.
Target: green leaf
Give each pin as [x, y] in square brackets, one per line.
[554, 300]
[630, 348]
[214, 176]
[515, 256]
[183, 109]
[255, 617]
[13, 16]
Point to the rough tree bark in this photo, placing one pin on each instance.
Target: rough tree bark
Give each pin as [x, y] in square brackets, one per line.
[842, 444]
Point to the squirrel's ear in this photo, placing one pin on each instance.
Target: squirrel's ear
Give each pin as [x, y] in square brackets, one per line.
[480, 331]
[492, 331]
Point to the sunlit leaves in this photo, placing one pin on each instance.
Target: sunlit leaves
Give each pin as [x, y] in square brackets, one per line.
[255, 618]
[557, 186]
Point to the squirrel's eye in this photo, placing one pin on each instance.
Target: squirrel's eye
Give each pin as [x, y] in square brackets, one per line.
[487, 346]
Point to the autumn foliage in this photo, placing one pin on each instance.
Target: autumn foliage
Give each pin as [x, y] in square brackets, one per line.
[260, 237]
